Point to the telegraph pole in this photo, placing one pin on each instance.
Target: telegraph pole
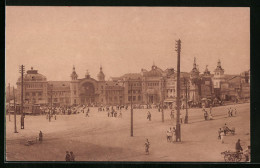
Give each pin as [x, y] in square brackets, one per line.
[132, 110]
[9, 102]
[186, 116]
[15, 130]
[22, 115]
[178, 126]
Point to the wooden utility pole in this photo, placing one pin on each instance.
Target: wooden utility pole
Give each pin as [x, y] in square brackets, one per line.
[132, 120]
[15, 130]
[178, 126]
[22, 115]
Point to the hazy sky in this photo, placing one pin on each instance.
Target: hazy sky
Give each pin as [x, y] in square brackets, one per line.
[124, 39]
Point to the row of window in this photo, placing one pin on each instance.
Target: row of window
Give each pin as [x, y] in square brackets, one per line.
[134, 91]
[114, 99]
[153, 84]
[113, 92]
[136, 84]
[33, 93]
[34, 85]
[135, 98]
[58, 93]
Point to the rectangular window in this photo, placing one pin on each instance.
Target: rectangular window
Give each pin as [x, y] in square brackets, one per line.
[139, 98]
[129, 91]
[33, 93]
[129, 98]
[134, 98]
[27, 94]
[40, 94]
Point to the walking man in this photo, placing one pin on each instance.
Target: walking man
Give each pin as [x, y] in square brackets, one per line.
[222, 137]
[238, 146]
[40, 137]
[147, 146]
[22, 121]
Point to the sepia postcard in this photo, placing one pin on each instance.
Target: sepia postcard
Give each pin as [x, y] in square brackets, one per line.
[149, 84]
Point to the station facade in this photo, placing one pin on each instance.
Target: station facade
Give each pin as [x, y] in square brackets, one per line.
[153, 86]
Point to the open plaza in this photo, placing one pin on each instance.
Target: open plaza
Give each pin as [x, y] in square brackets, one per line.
[102, 138]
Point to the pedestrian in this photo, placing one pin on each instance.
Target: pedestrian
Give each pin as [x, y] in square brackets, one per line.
[228, 112]
[72, 157]
[222, 137]
[181, 118]
[22, 121]
[40, 137]
[248, 153]
[147, 146]
[219, 132]
[55, 117]
[231, 112]
[168, 135]
[205, 115]
[235, 111]
[67, 158]
[173, 133]
[238, 146]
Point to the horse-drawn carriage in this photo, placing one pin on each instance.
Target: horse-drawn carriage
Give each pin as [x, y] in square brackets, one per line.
[232, 156]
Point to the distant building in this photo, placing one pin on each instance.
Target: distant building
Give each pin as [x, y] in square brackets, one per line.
[152, 86]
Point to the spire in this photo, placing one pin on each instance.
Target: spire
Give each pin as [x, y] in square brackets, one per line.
[206, 72]
[74, 75]
[101, 75]
[219, 63]
[194, 64]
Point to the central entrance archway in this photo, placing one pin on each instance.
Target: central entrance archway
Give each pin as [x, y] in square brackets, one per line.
[87, 95]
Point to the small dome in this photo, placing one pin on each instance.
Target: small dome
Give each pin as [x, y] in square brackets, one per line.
[155, 72]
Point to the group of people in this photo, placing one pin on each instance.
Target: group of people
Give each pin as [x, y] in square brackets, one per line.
[170, 133]
[207, 115]
[114, 113]
[70, 157]
[232, 112]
